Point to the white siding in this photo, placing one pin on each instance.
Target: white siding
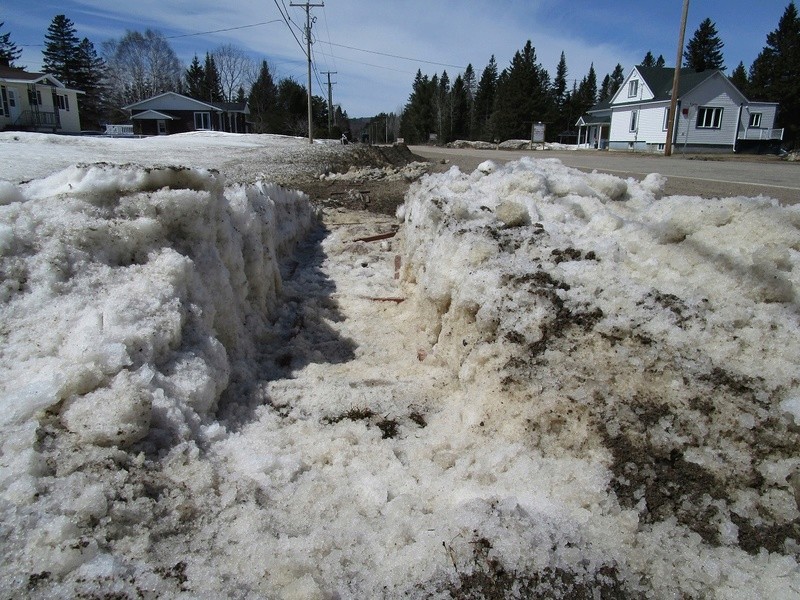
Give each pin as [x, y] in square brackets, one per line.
[644, 94]
[650, 124]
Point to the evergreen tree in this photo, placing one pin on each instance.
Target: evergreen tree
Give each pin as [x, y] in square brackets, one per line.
[460, 110]
[604, 94]
[560, 81]
[484, 101]
[660, 62]
[194, 79]
[442, 108]
[617, 77]
[292, 114]
[649, 60]
[739, 79]
[9, 52]
[264, 101]
[775, 74]
[62, 51]
[418, 120]
[523, 96]
[470, 88]
[90, 75]
[240, 96]
[704, 50]
[212, 87]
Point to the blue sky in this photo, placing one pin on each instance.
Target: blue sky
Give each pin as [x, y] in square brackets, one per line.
[450, 33]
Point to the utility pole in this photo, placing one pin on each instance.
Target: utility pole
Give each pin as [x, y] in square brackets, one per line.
[673, 105]
[308, 6]
[330, 99]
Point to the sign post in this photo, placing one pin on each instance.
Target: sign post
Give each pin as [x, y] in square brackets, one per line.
[537, 134]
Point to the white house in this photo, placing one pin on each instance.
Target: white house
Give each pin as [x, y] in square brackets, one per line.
[712, 115]
[37, 102]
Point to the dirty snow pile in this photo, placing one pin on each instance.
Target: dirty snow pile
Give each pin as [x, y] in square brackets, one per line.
[547, 384]
[132, 301]
[511, 145]
[632, 365]
[409, 172]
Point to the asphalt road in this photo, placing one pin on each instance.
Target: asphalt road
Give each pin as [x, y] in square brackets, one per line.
[706, 176]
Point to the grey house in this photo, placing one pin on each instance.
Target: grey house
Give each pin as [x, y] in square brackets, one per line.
[174, 113]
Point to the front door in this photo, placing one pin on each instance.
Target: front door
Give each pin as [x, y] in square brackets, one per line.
[13, 105]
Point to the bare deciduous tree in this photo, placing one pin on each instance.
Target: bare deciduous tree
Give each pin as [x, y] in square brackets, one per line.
[140, 66]
[234, 67]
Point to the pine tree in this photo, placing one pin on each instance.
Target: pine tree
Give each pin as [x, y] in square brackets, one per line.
[90, 75]
[775, 74]
[649, 60]
[442, 109]
[459, 102]
[194, 78]
[9, 52]
[470, 88]
[523, 96]
[264, 101]
[739, 78]
[560, 81]
[704, 50]
[211, 88]
[484, 101]
[617, 77]
[605, 86]
[62, 51]
[660, 62]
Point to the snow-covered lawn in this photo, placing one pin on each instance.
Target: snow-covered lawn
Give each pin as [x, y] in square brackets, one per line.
[547, 384]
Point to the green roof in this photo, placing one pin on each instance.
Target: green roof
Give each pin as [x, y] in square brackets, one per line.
[659, 80]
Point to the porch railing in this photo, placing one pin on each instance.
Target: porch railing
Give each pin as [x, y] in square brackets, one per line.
[119, 130]
[37, 119]
[761, 134]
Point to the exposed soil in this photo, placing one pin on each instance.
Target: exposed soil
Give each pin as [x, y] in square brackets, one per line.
[381, 195]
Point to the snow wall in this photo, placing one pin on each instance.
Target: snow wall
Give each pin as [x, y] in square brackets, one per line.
[632, 358]
[132, 300]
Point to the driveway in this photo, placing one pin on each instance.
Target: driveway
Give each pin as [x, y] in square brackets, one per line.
[706, 176]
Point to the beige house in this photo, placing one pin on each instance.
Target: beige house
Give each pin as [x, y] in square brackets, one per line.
[37, 102]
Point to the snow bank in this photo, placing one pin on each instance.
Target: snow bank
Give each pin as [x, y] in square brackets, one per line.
[132, 299]
[651, 342]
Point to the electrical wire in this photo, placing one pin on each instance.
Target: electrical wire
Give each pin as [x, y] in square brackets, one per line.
[418, 60]
[173, 37]
[286, 20]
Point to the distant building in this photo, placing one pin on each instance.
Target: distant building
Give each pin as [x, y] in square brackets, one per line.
[37, 102]
[174, 113]
[712, 115]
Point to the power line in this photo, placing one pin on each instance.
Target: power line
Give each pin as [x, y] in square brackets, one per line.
[286, 20]
[172, 37]
[418, 60]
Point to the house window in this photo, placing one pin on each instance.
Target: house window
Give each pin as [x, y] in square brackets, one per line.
[633, 88]
[709, 118]
[12, 98]
[634, 119]
[665, 126]
[162, 127]
[63, 102]
[202, 120]
[755, 120]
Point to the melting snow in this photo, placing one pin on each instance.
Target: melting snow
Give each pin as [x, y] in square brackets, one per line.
[569, 384]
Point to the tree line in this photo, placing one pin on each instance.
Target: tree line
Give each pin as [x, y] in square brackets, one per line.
[502, 105]
[140, 65]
